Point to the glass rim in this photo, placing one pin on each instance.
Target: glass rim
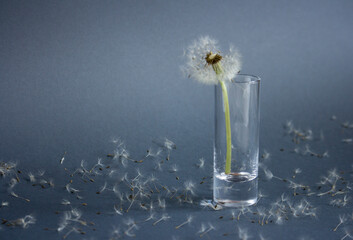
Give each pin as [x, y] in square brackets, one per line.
[253, 78]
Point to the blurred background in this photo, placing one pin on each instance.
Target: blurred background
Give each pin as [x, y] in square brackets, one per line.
[76, 74]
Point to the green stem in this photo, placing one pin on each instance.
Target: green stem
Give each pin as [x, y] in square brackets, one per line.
[228, 131]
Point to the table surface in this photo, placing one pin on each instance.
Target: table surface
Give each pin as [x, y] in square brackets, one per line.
[83, 83]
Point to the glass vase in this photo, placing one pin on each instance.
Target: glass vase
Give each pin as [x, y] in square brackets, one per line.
[236, 145]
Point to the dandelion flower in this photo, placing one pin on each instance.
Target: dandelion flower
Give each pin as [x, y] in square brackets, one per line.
[206, 64]
[201, 69]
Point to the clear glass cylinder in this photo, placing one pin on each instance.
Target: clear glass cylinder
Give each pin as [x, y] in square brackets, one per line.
[236, 143]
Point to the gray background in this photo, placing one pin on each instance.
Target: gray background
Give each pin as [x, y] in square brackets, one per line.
[75, 74]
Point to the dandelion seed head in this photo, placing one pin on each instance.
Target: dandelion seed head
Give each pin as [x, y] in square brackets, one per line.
[197, 68]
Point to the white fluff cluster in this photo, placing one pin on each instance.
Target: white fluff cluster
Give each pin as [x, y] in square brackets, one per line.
[197, 68]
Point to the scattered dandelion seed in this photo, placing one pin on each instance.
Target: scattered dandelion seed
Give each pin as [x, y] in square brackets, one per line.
[4, 204]
[65, 202]
[342, 219]
[173, 169]
[63, 158]
[169, 144]
[163, 218]
[265, 155]
[204, 230]
[347, 140]
[188, 220]
[296, 171]
[210, 204]
[201, 163]
[118, 211]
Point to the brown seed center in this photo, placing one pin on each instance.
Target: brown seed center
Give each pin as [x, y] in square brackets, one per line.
[213, 58]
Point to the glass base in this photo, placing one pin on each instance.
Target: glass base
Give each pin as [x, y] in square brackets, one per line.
[235, 189]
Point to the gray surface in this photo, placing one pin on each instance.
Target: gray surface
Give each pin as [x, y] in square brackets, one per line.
[75, 74]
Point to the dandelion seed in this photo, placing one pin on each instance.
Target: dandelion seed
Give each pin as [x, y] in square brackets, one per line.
[131, 226]
[347, 125]
[63, 158]
[23, 222]
[188, 220]
[325, 154]
[296, 150]
[347, 140]
[169, 144]
[243, 234]
[296, 171]
[31, 177]
[260, 195]
[342, 219]
[63, 224]
[242, 211]
[73, 230]
[347, 234]
[345, 200]
[118, 211]
[261, 215]
[202, 229]
[265, 155]
[41, 172]
[158, 165]
[4, 204]
[102, 188]
[13, 183]
[161, 202]
[268, 174]
[173, 169]
[340, 202]
[201, 163]
[279, 219]
[65, 202]
[151, 217]
[189, 189]
[70, 189]
[116, 233]
[210, 228]
[151, 154]
[163, 218]
[12, 193]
